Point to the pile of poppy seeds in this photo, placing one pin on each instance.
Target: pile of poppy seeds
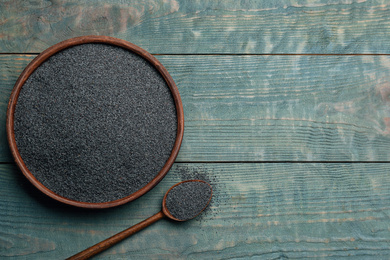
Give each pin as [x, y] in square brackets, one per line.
[188, 199]
[95, 123]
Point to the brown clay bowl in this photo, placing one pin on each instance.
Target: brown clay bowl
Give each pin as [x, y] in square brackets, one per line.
[41, 58]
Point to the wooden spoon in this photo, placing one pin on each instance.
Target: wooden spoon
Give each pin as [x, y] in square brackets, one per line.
[183, 201]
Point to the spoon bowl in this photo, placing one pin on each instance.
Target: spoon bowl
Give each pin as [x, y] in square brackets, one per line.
[183, 201]
[186, 200]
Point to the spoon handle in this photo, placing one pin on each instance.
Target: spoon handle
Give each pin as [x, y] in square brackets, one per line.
[99, 247]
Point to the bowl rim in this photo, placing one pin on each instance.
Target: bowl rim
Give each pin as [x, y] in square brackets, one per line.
[41, 58]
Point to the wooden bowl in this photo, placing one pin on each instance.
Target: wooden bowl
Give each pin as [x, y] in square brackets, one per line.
[41, 58]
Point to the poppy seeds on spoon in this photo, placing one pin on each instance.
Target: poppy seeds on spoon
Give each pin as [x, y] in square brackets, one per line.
[95, 123]
[188, 199]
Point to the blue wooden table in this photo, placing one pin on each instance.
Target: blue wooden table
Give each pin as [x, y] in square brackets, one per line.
[287, 115]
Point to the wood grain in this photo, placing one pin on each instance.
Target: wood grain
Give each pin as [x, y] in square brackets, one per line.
[269, 108]
[238, 109]
[274, 210]
[183, 26]
[113, 240]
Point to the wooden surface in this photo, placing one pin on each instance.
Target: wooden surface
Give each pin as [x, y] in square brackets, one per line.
[208, 26]
[295, 144]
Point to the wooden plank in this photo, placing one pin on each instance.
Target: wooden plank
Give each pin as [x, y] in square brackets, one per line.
[277, 210]
[269, 108]
[183, 26]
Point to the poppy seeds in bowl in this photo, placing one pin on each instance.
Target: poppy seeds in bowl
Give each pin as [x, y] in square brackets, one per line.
[95, 123]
